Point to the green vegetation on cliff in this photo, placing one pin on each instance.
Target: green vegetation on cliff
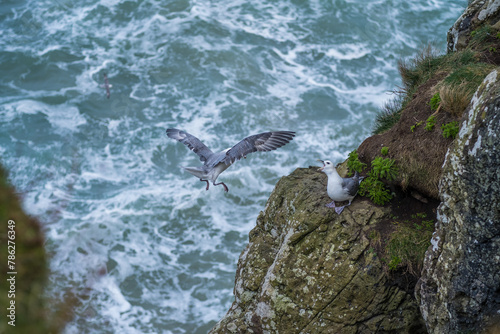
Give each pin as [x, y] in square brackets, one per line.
[462, 72]
[373, 186]
[27, 260]
[22, 243]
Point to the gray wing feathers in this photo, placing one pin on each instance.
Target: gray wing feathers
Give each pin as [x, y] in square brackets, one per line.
[192, 142]
[351, 185]
[266, 141]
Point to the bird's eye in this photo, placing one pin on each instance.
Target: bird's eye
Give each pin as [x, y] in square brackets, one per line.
[327, 163]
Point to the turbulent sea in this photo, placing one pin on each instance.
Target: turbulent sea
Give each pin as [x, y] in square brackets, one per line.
[140, 242]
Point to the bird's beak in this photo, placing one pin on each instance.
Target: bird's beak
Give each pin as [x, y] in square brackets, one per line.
[321, 169]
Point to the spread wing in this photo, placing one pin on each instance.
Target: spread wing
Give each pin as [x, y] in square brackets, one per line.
[192, 142]
[266, 141]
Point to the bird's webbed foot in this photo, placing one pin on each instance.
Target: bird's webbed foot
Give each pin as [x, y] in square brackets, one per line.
[331, 205]
[339, 210]
[226, 189]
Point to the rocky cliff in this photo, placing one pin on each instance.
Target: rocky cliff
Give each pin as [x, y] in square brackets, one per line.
[308, 270]
[460, 286]
[459, 291]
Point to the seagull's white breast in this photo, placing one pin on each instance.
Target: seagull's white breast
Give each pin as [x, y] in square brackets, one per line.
[335, 190]
[334, 187]
[219, 168]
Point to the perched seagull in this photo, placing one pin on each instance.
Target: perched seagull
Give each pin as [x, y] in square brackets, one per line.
[340, 188]
[216, 163]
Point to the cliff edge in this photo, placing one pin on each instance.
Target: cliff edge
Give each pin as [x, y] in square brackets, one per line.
[308, 270]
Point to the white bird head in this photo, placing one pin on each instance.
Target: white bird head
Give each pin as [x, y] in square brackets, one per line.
[328, 166]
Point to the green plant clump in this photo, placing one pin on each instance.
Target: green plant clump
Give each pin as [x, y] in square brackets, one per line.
[354, 164]
[384, 150]
[375, 190]
[414, 127]
[431, 122]
[435, 101]
[450, 130]
[384, 168]
[373, 187]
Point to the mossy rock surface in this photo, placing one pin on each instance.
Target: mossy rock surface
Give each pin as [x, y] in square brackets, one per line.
[308, 270]
[30, 265]
[477, 15]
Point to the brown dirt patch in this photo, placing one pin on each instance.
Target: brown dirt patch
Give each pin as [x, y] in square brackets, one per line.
[492, 56]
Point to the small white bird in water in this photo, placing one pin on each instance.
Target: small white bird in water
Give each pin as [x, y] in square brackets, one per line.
[216, 163]
[340, 188]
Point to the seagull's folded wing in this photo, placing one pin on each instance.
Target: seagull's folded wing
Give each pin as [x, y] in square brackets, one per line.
[350, 185]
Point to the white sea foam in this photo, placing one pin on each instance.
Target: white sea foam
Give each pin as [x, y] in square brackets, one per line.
[348, 51]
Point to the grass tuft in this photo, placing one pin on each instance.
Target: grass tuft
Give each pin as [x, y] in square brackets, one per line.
[388, 116]
[407, 246]
[457, 89]
[465, 74]
[456, 98]
[480, 37]
[418, 70]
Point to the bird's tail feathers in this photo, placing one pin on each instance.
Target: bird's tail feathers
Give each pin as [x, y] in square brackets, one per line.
[356, 176]
[196, 171]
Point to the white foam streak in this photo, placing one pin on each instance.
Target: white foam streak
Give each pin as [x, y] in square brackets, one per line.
[62, 118]
[348, 52]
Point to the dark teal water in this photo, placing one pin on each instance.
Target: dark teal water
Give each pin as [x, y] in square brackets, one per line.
[142, 244]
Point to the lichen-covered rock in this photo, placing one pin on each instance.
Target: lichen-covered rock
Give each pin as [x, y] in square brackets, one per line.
[478, 13]
[308, 270]
[459, 289]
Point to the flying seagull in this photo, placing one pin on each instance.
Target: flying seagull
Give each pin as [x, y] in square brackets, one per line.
[216, 163]
[340, 188]
[106, 85]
